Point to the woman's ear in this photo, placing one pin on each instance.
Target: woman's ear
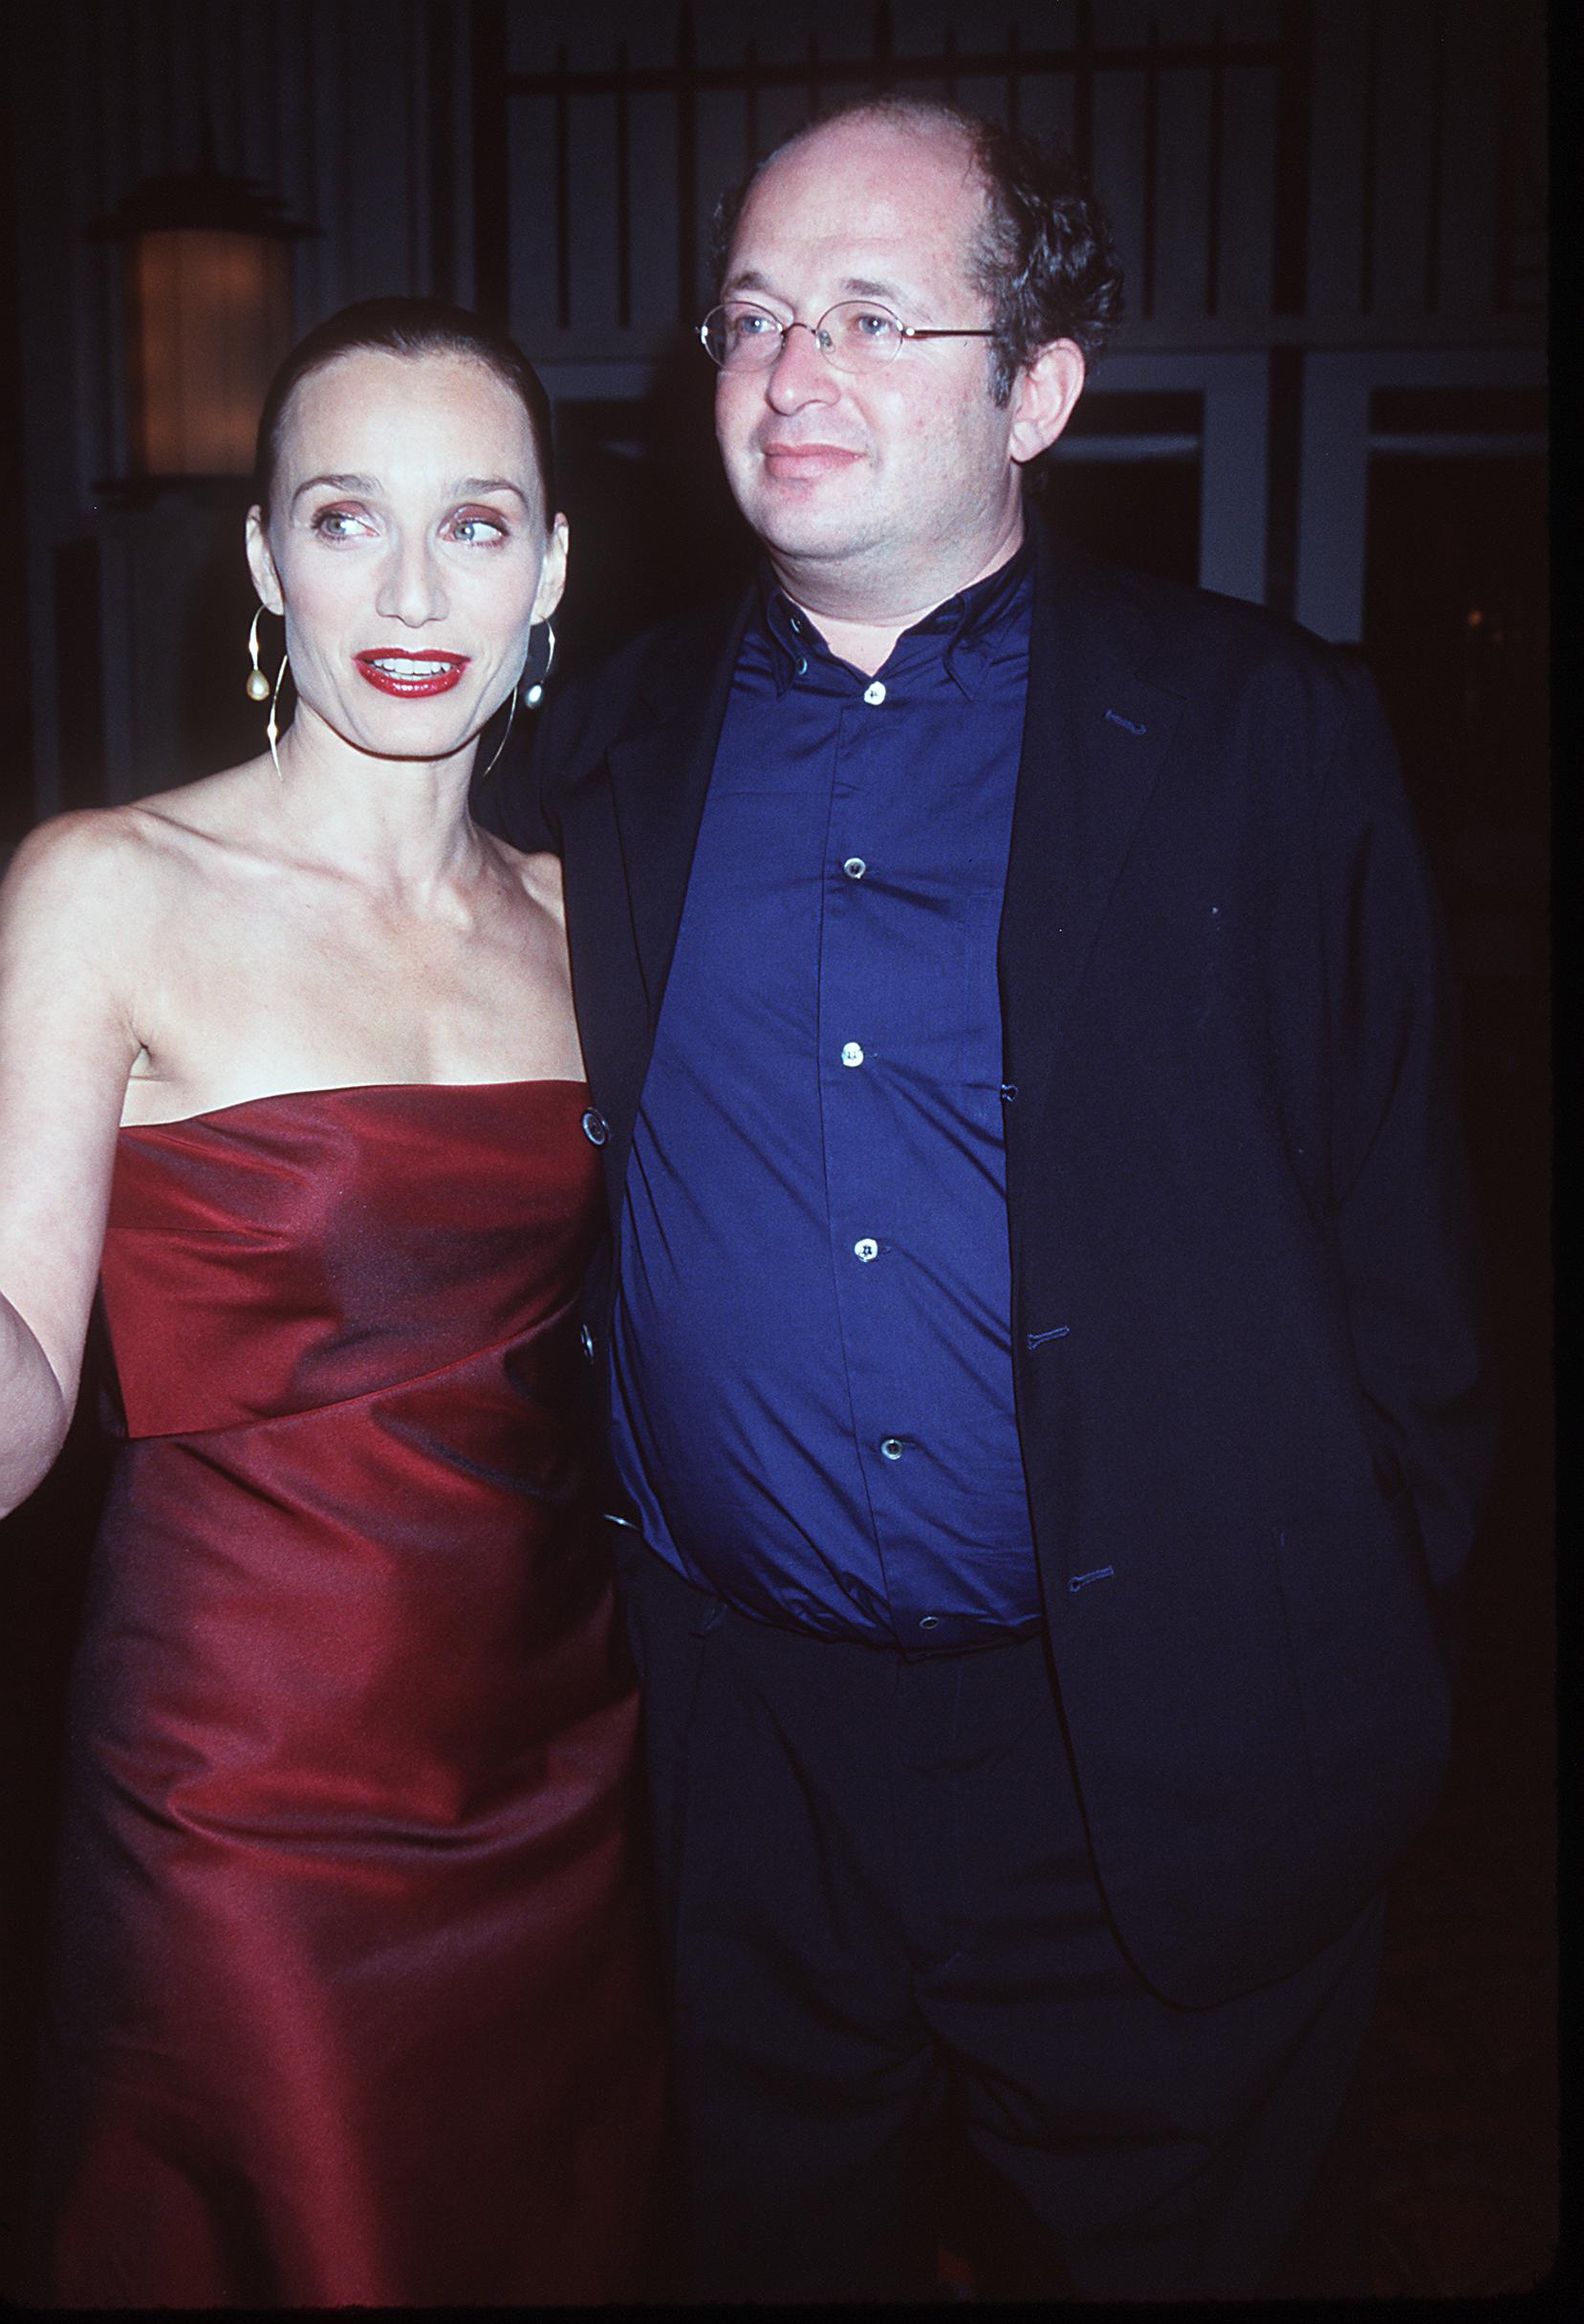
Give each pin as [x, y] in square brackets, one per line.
[261, 564]
[552, 573]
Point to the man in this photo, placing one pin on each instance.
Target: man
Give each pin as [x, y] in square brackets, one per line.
[1037, 1339]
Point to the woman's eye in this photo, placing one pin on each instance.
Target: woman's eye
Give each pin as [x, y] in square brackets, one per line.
[337, 524]
[477, 530]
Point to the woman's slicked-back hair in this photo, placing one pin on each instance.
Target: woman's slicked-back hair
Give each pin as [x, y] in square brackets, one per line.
[407, 327]
[1043, 256]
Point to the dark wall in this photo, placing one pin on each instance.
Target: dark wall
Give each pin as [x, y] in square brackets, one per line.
[15, 725]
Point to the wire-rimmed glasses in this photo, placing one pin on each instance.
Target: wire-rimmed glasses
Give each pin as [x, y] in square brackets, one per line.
[855, 335]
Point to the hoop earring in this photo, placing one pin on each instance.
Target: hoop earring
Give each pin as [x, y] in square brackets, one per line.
[271, 730]
[258, 685]
[535, 690]
[530, 683]
[506, 730]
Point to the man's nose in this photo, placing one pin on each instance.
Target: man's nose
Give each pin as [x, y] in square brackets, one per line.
[410, 586]
[801, 373]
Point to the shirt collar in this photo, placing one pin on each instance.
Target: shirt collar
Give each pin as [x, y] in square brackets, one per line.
[962, 629]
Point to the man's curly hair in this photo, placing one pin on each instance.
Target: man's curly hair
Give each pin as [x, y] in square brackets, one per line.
[1043, 256]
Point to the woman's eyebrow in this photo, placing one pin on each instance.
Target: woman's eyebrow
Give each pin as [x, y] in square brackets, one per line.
[339, 483]
[490, 484]
[456, 491]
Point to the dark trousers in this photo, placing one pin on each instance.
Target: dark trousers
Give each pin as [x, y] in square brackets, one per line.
[882, 1919]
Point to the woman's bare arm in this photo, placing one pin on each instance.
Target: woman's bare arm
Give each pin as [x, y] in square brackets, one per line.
[69, 908]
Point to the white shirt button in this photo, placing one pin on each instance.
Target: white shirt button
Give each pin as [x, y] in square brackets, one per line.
[866, 1247]
[851, 1054]
[893, 1447]
[855, 867]
[874, 694]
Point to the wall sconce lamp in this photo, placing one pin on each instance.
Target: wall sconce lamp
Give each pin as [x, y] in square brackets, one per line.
[206, 280]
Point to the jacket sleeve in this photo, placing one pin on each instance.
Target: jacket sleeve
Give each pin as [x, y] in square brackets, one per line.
[1399, 1175]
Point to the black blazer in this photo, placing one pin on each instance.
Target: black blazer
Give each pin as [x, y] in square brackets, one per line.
[1248, 1371]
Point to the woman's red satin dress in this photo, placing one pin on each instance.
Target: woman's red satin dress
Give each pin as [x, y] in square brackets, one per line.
[353, 1996]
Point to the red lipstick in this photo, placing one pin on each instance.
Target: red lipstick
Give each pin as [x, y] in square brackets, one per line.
[401, 669]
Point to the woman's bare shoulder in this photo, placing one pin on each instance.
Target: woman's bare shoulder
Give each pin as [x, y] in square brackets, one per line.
[540, 875]
[214, 807]
[110, 864]
[89, 851]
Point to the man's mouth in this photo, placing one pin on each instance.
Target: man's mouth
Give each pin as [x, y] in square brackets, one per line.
[398, 671]
[795, 462]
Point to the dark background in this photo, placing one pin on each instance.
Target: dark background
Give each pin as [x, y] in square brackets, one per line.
[1458, 2141]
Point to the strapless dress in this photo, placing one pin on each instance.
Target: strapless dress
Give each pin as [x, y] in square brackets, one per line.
[353, 1997]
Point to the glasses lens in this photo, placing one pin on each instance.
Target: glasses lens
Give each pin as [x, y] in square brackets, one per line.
[741, 337]
[858, 336]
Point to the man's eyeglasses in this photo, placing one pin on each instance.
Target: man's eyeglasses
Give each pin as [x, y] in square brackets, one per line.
[852, 336]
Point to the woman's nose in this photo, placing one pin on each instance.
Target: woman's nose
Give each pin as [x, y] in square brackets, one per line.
[410, 585]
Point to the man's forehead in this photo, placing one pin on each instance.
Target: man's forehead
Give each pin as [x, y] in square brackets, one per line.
[865, 201]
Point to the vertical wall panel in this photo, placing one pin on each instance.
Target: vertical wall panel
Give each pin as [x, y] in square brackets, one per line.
[921, 28]
[535, 246]
[1119, 171]
[1471, 155]
[1248, 161]
[1182, 195]
[781, 110]
[843, 27]
[1336, 163]
[592, 216]
[652, 228]
[986, 96]
[1409, 30]
[1045, 105]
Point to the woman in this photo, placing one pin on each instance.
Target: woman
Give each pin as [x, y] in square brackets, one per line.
[352, 1996]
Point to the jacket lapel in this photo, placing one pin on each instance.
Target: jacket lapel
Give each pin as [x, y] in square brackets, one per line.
[1095, 738]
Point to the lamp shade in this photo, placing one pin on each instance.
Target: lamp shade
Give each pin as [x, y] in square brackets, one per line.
[207, 288]
[209, 317]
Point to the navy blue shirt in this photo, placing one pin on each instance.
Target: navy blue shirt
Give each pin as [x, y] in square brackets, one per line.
[811, 1351]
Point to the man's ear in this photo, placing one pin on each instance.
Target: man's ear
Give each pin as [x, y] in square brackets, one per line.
[262, 565]
[1044, 395]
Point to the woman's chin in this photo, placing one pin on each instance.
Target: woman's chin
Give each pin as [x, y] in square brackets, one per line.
[420, 732]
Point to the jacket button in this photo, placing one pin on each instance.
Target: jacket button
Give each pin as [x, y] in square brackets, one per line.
[595, 1129]
[585, 1341]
